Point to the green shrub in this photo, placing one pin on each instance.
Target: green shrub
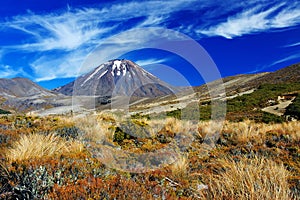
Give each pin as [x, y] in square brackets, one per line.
[120, 135]
[4, 112]
[294, 109]
[270, 118]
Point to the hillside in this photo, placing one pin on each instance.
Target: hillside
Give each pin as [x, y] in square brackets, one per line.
[105, 155]
[23, 95]
[246, 96]
[21, 87]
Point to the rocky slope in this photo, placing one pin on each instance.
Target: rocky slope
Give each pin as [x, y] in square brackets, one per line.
[22, 87]
[21, 94]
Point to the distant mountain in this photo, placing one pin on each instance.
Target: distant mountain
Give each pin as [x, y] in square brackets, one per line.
[21, 87]
[125, 78]
[117, 78]
[21, 94]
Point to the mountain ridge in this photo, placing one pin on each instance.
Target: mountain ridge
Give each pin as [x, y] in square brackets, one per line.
[23, 94]
[22, 87]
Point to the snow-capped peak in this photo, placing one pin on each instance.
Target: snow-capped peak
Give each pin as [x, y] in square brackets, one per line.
[119, 67]
[118, 77]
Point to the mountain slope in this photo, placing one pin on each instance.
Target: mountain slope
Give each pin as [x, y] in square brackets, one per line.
[246, 94]
[117, 78]
[246, 82]
[21, 87]
[21, 94]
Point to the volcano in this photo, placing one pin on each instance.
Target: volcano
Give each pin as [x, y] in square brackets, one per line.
[118, 78]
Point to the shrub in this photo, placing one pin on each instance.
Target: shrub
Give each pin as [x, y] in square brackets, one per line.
[294, 109]
[4, 112]
[120, 135]
[269, 118]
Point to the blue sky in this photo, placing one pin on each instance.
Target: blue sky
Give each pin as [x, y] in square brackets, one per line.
[48, 42]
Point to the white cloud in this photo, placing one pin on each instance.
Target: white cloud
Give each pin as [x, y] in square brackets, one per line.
[286, 18]
[253, 20]
[65, 66]
[293, 45]
[76, 31]
[7, 71]
[144, 63]
[74, 28]
[82, 61]
[65, 32]
[291, 57]
[120, 44]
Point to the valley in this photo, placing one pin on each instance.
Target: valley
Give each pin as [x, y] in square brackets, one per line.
[179, 143]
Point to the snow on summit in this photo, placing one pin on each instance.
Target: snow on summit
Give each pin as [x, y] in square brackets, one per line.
[118, 66]
[118, 77]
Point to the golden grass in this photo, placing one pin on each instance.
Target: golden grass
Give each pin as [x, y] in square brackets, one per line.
[34, 145]
[246, 131]
[96, 128]
[180, 166]
[220, 174]
[171, 125]
[174, 125]
[256, 178]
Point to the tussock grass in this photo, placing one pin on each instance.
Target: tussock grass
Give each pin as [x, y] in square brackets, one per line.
[172, 125]
[245, 162]
[34, 145]
[257, 178]
[246, 131]
[96, 128]
[180, 167]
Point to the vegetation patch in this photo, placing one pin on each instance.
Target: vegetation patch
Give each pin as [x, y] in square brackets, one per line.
[293, 109]
[48, 160]
[4, 112]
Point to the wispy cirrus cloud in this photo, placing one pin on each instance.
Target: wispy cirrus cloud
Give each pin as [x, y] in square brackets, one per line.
[66, 32]
[62, 40]
[256, 20]
[76, 27]
[118, 45]
[7, 71]
[49, 67]
[144, 63]
[285, 59]
[293, 44]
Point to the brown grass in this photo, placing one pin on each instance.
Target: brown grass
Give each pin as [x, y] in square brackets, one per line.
[96, 128]
[38, 146]
[231, 170]
[246, 131]
[257, 178]
[179, 167]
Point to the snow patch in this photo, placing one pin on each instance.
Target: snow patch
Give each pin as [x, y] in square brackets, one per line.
[124, 69]
[120, 67]
[116, 64]
[102, 74]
